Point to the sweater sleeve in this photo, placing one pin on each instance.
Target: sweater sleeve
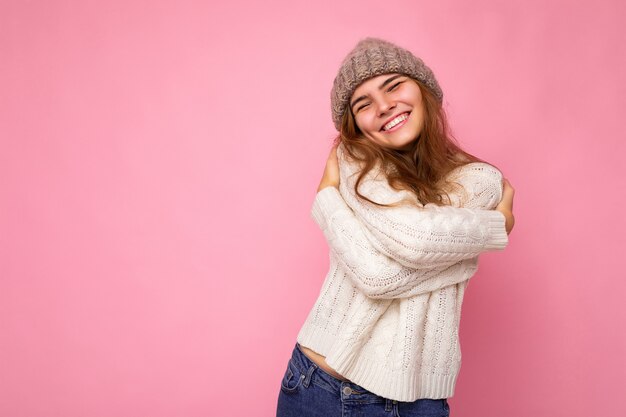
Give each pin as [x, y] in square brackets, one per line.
[419, 237]
[373, 273]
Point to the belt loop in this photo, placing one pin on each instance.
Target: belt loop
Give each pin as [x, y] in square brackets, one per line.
[387, 404]
[309, 373]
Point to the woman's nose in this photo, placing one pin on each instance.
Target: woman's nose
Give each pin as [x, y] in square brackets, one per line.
[384, 105]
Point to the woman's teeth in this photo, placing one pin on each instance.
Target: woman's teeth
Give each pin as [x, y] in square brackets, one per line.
[395, 121]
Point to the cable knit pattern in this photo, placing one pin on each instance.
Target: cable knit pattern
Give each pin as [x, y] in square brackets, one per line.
[433, 235]
[388, 312]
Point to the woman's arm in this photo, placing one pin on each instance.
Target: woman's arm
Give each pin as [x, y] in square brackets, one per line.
[373, 273]
[431, 236]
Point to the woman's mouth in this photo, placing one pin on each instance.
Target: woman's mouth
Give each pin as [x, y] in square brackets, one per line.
[396, 123]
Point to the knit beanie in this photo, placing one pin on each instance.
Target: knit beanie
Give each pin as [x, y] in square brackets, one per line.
[372, 57]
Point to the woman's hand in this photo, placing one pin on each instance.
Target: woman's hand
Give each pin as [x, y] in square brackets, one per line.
[506, 205]
[331, 172]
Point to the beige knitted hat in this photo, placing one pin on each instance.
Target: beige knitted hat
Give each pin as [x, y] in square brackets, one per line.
[372, 57]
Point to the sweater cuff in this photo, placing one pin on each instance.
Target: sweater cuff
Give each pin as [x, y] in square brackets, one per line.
[327, 201]
[497, 238]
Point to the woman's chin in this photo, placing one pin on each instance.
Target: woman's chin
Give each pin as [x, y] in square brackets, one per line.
[404, 147]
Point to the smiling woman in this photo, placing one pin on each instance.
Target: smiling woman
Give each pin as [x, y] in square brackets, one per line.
[368, 109]
[397, 96]
[382, 336]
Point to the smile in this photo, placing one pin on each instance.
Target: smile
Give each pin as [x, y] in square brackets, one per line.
[396, 123]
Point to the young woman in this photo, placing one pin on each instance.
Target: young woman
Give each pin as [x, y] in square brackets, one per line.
[406, 213]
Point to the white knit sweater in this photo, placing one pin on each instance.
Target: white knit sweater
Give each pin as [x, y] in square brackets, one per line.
[387, 316]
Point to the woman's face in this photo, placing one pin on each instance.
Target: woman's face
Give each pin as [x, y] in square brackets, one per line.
[388, 109]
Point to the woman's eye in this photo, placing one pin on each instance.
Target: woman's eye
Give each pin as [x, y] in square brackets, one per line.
[393, 87]
[363, 106]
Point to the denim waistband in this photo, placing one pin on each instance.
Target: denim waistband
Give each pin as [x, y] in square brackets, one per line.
[348, 390]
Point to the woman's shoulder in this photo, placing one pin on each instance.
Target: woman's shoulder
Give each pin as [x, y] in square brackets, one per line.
[350, 166]
[343, 154]
[477, 169]
[481, 183]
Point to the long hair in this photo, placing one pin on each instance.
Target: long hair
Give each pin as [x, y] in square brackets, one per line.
[421, 170]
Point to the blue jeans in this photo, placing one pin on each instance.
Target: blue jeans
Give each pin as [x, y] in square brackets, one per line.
[306, 390]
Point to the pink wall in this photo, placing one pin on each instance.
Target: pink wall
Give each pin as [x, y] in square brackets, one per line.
[159, 161]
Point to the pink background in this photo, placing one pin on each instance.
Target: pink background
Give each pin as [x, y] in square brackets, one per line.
[159, 161]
